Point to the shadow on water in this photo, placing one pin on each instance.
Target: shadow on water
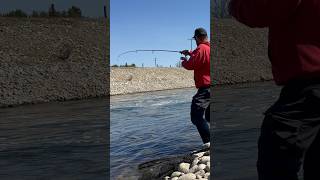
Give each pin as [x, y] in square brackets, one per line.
[150, 126]
[61, 140]
[238, 114]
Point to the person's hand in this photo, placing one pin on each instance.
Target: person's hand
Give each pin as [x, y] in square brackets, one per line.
[185, 52]
[183, 59]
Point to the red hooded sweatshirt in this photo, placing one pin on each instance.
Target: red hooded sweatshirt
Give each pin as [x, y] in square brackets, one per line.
[199, 61]
[294, 34]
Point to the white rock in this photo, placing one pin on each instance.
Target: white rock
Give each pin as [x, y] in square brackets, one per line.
[195, 162]
[176, 174]
[193, 169]
[205, 159]
[201, 167]
[166, 178]
[188, 176]
[206, 145]
[201, 173]
[198, 155]
[207, 175]
[199, 176]
[207, 167]
[174, 178]
[207, 153]
[184, 167]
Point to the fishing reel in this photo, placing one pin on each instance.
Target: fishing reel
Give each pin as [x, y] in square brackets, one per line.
[183, 57]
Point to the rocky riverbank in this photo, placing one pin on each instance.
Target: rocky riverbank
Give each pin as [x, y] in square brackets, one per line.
[195, 165]
[134, 80]
[198, 169]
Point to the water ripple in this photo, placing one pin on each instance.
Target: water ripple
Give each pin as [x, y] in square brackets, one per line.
[149, 126]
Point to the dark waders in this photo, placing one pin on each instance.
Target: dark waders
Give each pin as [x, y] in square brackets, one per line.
[290, 134]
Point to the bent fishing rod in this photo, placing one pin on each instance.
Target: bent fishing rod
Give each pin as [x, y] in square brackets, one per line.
[148, 50]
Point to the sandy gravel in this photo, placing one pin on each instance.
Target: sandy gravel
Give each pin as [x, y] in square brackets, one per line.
[239, 53]
[133, 80]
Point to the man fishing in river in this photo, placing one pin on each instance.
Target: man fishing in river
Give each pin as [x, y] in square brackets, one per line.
[199, 62]
[290, 133]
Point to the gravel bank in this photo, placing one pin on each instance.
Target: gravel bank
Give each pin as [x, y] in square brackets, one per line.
[239, 53]
[134, 80]
[52, 59]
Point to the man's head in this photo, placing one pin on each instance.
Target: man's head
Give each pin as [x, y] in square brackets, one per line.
[200, 35]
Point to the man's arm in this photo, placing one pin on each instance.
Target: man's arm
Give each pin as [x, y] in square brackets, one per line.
[193, 61]
[262, 13]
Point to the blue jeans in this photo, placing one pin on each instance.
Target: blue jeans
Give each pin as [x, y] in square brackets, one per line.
[200, 107]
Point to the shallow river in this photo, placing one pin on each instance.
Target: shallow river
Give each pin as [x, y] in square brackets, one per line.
[238, 114]
[62, 140]
[149, 126]
[69, 140]
[153, 125]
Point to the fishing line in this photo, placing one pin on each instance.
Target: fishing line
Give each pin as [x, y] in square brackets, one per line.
[147, 50]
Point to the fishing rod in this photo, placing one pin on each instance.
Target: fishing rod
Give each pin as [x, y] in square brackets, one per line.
[148, 50]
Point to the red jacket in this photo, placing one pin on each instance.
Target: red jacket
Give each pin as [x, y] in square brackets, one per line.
[294, 34]
[199, 61]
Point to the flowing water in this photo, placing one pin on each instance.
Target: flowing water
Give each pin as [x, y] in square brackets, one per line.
[68, 140]
[149, 126]
[238, 114]
[154, 125]
[62, 140]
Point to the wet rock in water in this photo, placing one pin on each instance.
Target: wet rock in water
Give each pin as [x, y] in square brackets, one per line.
[206, 145]
[194, 165]
[198, 155]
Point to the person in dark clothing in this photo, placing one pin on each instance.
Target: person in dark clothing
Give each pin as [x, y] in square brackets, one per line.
[290, 132]
[199, 62]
